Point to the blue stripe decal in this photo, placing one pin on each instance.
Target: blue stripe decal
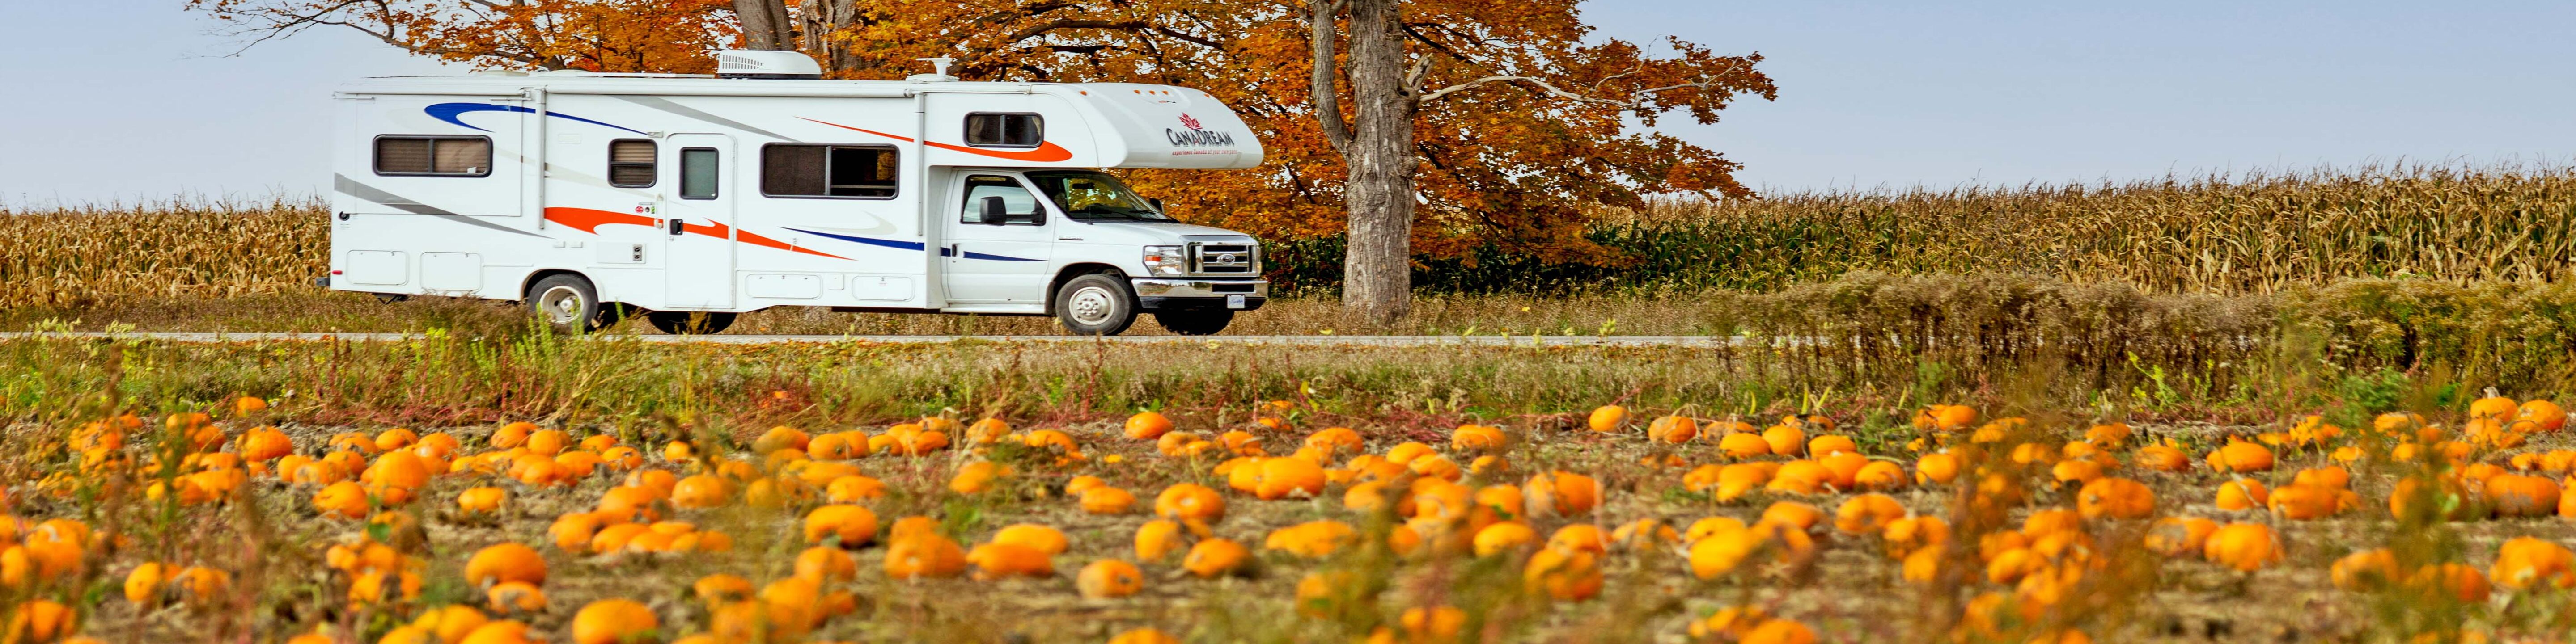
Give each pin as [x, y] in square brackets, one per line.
[888, 243]
[450, 112]
[905, 245]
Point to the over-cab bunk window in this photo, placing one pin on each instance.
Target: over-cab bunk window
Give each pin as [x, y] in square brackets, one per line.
[434, 156]
[847, 171]
[990, 130]
[630, 163]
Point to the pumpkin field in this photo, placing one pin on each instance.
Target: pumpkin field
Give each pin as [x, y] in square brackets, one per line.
[457, 490]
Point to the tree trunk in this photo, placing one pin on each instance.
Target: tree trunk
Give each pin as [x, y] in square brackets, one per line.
[1377, 265]
[765, 24]
[822, 19]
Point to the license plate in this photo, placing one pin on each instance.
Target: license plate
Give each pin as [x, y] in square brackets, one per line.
[1234, 301]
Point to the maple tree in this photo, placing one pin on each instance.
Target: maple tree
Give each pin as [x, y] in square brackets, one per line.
[678, 36]
[1432, 127]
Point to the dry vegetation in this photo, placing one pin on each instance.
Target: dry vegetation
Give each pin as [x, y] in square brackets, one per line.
[1807, 487]
[1979, 416]
[2254, 233]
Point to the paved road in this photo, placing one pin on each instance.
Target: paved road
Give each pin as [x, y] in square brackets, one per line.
[1311, 340]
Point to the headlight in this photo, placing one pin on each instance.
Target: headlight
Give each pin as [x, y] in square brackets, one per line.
[1166, 261]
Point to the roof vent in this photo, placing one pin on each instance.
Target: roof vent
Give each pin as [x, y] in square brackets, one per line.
[938, 71]
[768, 65]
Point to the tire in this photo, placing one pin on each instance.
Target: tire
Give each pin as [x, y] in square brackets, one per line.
[1095, 304]
[1194, 321]
[568, 303]
[690, 322]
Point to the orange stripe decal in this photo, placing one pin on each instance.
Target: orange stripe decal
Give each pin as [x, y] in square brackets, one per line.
[1047, 152]
[589, 221]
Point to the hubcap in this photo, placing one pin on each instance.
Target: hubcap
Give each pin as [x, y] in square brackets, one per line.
[1091, 305]
[561, 304]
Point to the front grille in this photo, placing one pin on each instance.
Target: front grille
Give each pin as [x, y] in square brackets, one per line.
[1224, 259]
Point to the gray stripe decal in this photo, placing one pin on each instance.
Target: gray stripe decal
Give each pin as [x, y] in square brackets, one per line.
[666, 105]
[344, 185]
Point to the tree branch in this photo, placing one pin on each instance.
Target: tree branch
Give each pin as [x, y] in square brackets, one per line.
[1326, 98]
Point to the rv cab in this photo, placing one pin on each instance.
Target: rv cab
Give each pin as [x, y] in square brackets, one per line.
[692, 199]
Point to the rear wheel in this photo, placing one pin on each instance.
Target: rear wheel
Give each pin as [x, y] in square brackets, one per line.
[568, 303]
[1095, 304]
[1194, 321]
[689, 322]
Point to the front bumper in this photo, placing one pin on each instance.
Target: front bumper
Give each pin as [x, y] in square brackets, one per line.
[1155, 294]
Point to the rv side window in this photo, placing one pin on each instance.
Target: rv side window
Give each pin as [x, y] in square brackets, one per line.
[1005, 130]
[1018, 206]
[434, 156]
[697, 173]
[630, 163]
[852, 171]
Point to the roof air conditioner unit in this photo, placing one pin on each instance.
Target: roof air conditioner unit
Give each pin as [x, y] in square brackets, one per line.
[770, 65]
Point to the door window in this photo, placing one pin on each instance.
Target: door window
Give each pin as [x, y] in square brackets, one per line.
[698, 173]
[1019, 207]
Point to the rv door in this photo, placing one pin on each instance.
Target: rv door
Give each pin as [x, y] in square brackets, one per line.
[698, 222]
[1001, 242]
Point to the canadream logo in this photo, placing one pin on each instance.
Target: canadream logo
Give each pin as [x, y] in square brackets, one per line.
[1195, 137]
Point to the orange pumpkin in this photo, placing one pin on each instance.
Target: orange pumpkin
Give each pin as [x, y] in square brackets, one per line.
[1109, 578]
[344, 499]
[1476, 438]
[2525, 563]
[1284, 477]
[1107, 500]
[481, 500]
[2243, 494]
[614, 621]
[1673, 429]
[1566, 493]
[2514, 495]
[512, 435]
[2456, 580]
[1937, 468]
[1865, 514]
[2116, 498]
[851, 526]
[1001, 559]
[513, 597]
[2539, 416]
[506, 562]
[1564, 575]
[1158, 540]
[1148, 426]
[1216, 557]
[2366, 570]
[1607, 418]
[2163, 458]
[924, 555]
[701, 491]
[1190, 502]
[2240, 456]
[2243, 546]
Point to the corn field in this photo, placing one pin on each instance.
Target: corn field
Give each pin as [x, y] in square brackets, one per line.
[178, 249]
[2254, 233]
[2242, 234]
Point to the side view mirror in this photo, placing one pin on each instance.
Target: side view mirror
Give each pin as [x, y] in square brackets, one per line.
[994, 212]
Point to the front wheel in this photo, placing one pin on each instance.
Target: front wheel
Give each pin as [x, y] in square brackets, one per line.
[568, 303]
[1194, 321]
[1095, 304]
[689, 322]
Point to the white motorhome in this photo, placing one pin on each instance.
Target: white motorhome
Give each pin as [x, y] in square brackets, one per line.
[692, 198]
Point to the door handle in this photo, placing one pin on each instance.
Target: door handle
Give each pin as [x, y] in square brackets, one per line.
[675, 225]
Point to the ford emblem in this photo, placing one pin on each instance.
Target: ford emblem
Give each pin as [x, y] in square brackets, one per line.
[1225, 258]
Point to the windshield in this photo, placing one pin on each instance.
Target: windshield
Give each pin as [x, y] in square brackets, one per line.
[1093, 196]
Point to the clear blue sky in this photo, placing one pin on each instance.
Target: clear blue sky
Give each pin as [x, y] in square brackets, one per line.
[133, 99]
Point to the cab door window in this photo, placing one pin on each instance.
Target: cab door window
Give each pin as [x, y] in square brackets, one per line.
[1019, 206]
